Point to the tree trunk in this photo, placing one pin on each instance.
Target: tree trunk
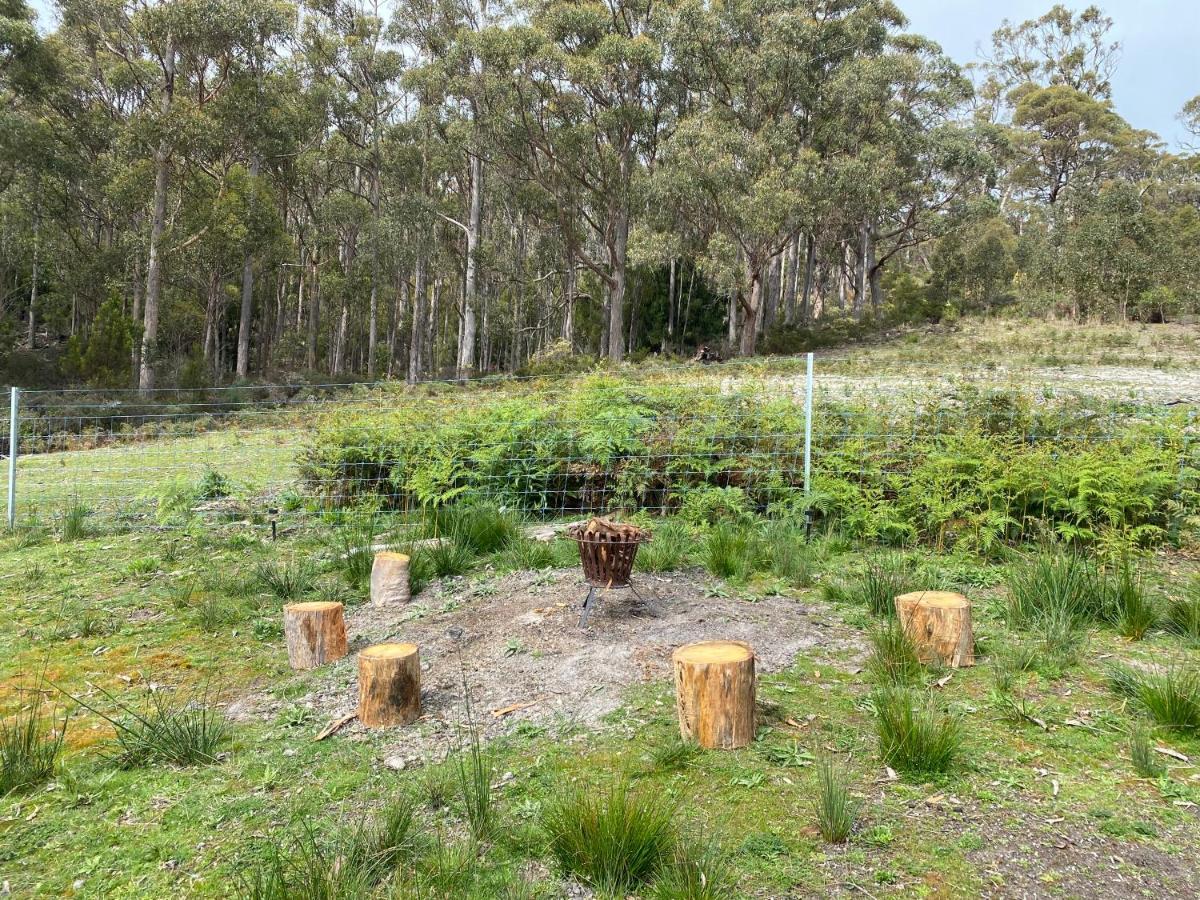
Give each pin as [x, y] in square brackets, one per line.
[466, 345]
[373, 323]
[389, 579]
[616, 292]
[33, 288]
[671, 313]
[243, 346]
[389, 685]
[135, 353]
[158, 222]
[715, 693]
[315, 633]
[314, 312]
[751, 310]
[810, 263]
[416, 341]
[568, 325]
[939, 625]
[791, 280]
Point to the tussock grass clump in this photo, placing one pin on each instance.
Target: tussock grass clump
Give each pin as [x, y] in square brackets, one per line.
[697, 870]
[668, 551]
[524, 554]
[914, 734]
[1141, 753]
[884, 576]
[29, 750]
[1056, 586]
[473, 778]
[445, 559]
[1183, 613]
[787, 555]
[836, 809]
[727, 550]
[614, 839]
[480, 528]
[354, 551]
[286, 581]
[172, 728]
[1171, 697]
[74, 521]
[211, 613]
[348, 864]
[893, 658]
[1131, 608]
[674, 755]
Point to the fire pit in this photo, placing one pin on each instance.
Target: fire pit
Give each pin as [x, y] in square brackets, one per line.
[607, 550]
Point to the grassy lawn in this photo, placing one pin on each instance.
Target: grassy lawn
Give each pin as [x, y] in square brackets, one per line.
[1042, 799]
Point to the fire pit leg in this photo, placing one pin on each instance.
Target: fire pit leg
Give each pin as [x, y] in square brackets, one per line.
[653, 610]
[587, 606]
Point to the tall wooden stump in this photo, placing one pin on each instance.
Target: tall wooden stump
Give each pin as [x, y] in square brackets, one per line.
[315, 632]
[939, 624]
[389, 579]
[389, 685]
[714, 693]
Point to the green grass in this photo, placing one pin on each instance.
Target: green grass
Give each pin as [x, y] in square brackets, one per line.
[1131, 607]
[836, 810]
[1146, 762]
[29, 749]
[883, 576]
[669, 550]
[286, 580]
[727, 550]
[1170, 696]
[613, 838]
[893, 658]
[480, 528]
[915, 735]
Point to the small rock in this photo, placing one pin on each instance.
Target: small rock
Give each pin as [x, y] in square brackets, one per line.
[395, 763]
[289, 751]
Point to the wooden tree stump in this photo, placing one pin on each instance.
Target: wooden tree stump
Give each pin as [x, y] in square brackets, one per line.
[315, 632]
[939, 624]
[389, 579]
[714, 693]
[389, 685]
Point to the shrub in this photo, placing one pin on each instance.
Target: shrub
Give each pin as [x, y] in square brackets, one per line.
[29, 750]
[836, 810]
[668, 551]
[709, 505]
[286, 581]
[893, 658]
[614, 839]
[914, 735]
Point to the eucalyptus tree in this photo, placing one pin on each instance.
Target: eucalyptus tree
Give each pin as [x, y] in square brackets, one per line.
[588, 108]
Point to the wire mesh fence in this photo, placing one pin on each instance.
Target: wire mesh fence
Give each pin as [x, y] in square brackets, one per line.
[650, 439]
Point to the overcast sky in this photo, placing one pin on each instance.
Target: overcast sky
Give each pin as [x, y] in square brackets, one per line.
[1160, 61]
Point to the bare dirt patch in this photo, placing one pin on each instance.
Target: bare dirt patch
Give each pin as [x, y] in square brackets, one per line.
[516, 642]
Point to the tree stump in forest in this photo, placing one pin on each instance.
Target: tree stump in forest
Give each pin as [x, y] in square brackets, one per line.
[939, 624]
[389, 579]
[315, 632]
[389, 685]
[715, 692]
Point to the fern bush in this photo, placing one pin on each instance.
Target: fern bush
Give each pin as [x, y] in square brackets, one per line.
[990, 469]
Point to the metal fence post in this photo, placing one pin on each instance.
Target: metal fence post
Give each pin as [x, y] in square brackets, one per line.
[808, 407]
[14, 431]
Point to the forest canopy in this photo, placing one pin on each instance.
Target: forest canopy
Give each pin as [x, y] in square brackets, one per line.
[200, 191]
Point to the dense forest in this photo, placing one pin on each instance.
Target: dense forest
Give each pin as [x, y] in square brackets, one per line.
[198, 191]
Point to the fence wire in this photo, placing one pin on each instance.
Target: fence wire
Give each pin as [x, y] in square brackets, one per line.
[554, 447]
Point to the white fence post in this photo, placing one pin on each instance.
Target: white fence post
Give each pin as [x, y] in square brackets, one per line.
[14, 431]
[808, 408]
